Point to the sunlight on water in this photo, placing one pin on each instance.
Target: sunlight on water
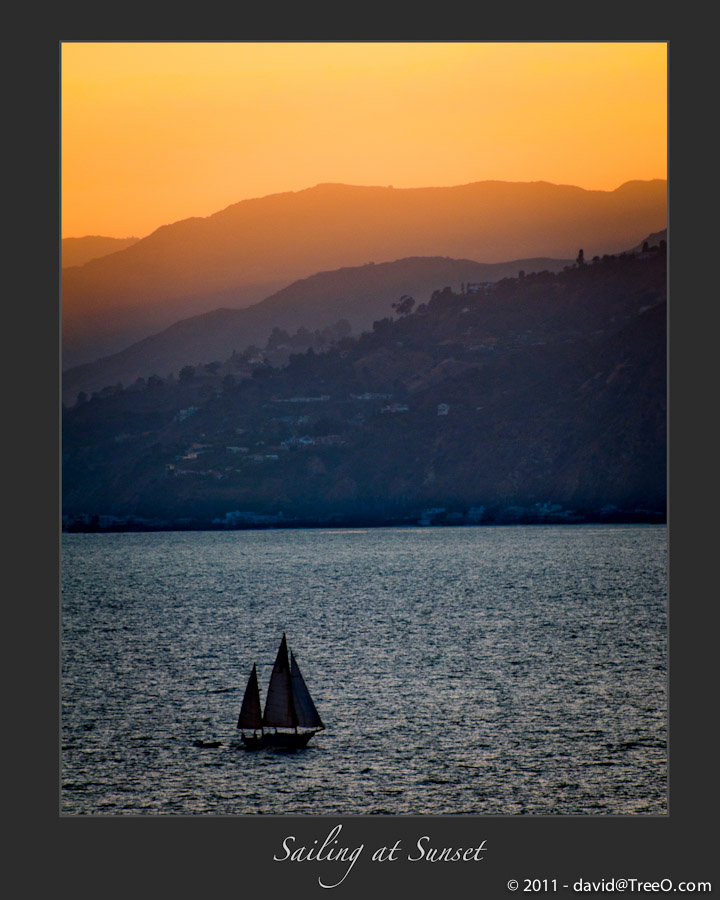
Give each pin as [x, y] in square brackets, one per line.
[457, 670]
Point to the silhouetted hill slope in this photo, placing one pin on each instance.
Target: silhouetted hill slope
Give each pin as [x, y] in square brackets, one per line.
[359, 294]
[535, 399]
[243, 253]
[78, 251]
[652, 240]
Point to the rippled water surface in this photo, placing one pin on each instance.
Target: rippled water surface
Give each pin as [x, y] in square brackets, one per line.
[495, 670]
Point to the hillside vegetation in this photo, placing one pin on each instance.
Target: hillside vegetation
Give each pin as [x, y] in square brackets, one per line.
[359, 294]
[537, 398]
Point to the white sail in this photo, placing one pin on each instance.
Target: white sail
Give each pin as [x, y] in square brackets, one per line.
[305, 713]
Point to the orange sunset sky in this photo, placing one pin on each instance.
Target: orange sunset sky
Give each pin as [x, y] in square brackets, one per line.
[156, 132]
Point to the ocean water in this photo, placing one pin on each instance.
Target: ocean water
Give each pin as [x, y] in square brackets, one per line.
[459, 671]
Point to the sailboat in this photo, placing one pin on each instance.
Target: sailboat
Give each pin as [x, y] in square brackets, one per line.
[288, 706]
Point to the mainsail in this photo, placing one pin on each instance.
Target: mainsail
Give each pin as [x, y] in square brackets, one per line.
[250, 710]
[279, 712]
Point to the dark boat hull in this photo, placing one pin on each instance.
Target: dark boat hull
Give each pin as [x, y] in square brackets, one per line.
[279, 740]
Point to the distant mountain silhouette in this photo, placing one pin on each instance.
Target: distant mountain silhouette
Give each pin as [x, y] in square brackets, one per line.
[78, 251]
[359, 294]
[242, 254]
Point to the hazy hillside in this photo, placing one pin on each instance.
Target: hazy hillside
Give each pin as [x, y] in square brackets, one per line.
[242, 254]
[538, 398]
[359, 294]
[651, 240]
[78, 251]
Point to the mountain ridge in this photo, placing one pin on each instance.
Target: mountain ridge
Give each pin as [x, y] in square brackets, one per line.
[243, 253]
[359, 294]
[77, 251]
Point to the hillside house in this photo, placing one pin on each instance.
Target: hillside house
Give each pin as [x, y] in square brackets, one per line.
[395, 408]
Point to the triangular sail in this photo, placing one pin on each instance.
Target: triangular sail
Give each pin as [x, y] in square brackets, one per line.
[305, 712]
[278, 706]
[250, 716]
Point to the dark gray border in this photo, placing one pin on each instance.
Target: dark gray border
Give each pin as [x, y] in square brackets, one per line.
[199, 856]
